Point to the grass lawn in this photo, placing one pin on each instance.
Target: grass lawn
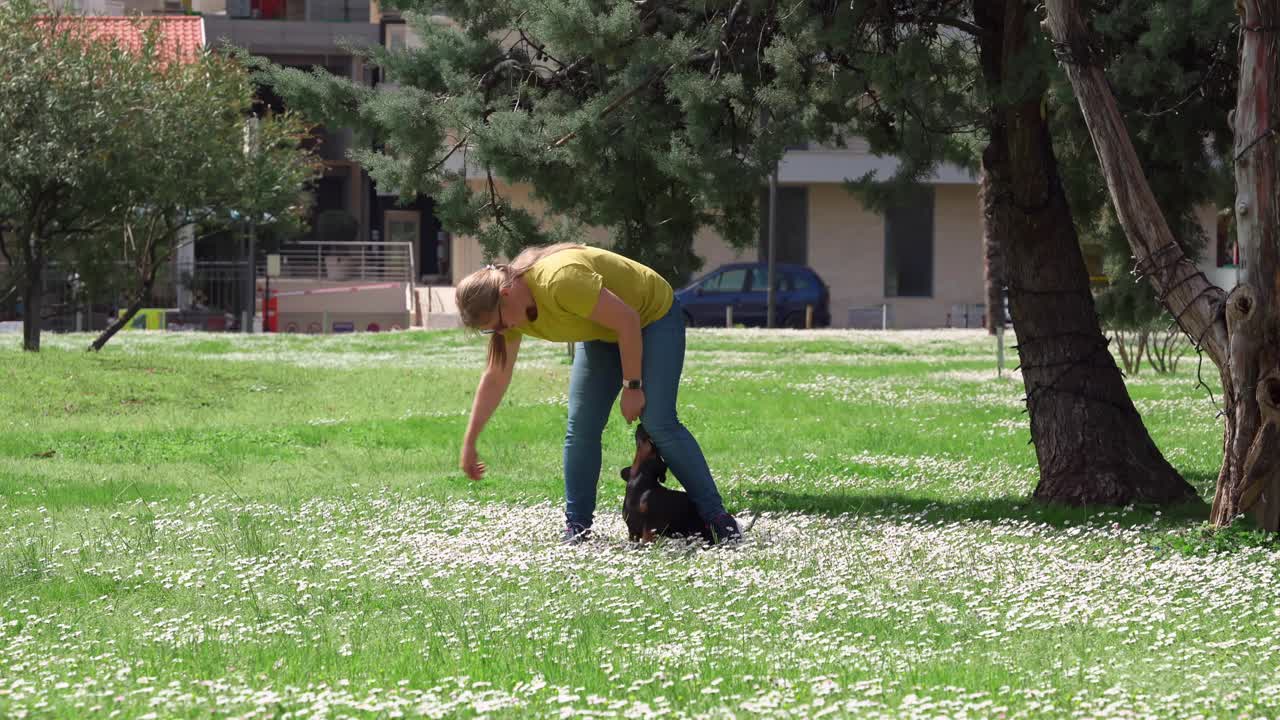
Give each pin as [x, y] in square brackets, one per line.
[198, 525]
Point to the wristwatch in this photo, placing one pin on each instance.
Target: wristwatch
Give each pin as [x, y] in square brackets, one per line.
[632, 384]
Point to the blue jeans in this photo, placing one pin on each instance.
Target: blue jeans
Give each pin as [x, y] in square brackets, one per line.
[594, 385]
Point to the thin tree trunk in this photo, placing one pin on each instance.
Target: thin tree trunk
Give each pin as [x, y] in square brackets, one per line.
[993, 256]
[1091, 444]
[105, 336]
[33, 294]
[33, 307]
[1237, 331]
[149, 270]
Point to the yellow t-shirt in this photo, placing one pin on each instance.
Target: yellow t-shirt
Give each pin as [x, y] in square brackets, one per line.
[566, 285]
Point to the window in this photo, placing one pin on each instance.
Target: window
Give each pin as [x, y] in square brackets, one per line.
[726, 282]
[760, 279]
[793, 225]
[908, 246]
[801, 282]
[397, 36]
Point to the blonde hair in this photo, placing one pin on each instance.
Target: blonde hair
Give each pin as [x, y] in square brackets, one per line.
[478, 294]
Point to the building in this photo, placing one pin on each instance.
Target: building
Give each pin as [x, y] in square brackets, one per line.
[912, 267]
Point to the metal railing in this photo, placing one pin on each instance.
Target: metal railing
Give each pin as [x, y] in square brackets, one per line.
[345, 261]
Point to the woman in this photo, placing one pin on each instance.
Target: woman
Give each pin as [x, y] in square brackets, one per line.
[630, 335]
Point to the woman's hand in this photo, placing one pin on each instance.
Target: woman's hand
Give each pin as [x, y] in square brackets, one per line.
[470, 461]
[632, 404]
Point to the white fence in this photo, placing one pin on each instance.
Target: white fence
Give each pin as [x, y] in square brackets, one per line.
[346, 261]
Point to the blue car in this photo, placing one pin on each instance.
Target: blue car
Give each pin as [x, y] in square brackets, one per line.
[742, 286]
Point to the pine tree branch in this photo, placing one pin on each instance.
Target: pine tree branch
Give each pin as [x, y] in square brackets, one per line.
[496, 202]
[449, 154]
[617, 103]
[724, 37]
[942, 21]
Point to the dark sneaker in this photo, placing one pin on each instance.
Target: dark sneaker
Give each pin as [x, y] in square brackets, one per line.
[724, 528]
[575, 534]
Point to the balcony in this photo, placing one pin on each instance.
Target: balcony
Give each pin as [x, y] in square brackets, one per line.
[320, 31]
[301, 10]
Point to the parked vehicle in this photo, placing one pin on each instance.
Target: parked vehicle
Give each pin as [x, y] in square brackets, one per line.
[742, 286]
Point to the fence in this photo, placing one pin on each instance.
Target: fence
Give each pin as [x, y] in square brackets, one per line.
[345, 261]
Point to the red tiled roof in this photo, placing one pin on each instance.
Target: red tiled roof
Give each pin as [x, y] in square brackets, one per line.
[181, 36]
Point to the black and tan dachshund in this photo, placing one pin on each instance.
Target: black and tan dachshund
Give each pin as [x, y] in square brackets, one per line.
[650, 508]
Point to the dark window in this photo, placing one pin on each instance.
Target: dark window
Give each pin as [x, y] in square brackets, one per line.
[760, 280]
[802, 282]
[908, 246]
[793, 225]
[727, 281]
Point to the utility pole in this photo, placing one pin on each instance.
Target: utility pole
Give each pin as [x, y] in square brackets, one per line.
[251, 291]
[771, 259]
[772, 299]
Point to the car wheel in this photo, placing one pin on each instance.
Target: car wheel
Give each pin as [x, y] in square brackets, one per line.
[795, 321]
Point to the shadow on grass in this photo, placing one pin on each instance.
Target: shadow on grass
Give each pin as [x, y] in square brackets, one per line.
[982, 509]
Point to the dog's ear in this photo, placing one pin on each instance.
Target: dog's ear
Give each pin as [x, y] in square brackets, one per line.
[626, 473]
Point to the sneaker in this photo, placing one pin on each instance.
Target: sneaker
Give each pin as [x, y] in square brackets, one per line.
[724, 528]
[575, 534]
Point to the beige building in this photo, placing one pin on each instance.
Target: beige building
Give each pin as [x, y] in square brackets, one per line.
[918, 266]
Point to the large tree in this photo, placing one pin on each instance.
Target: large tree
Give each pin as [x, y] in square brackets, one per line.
[656, 118]
[1091, 444]
[1237, 331]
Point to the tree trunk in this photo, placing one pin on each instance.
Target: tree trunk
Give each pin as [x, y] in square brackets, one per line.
[149, 269]
[33, 294]
[105, 336]
[33, 307]
[1239, 331]
[993, 257]
[1091, 444]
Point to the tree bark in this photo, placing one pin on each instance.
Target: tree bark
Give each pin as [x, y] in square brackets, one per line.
[105, 336]
[1238, 331]
[33, 307]
[33, 294]
[149, 268]
[1091, 445]
[993, 257]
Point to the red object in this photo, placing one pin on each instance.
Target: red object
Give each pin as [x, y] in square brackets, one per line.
[271, 315]
[373, 327]
[269, 9]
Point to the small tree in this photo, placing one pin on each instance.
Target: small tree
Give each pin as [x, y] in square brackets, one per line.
[1173, 68]
[205, 164]
[65, 102]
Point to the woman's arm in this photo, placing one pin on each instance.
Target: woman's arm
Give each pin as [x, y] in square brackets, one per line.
[612, 312]
[489, 393]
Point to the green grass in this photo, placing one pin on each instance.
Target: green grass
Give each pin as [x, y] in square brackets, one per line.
[202, 525]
